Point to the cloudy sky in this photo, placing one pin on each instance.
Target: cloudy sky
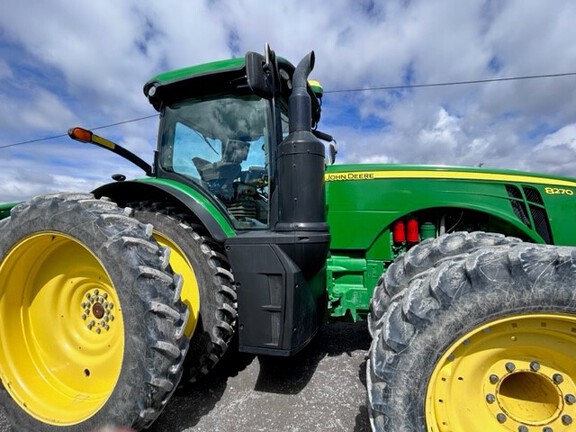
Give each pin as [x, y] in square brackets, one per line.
[65, 63]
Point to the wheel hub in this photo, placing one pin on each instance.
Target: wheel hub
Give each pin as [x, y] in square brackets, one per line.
[527, 395]
[514, 374]
[97, 311]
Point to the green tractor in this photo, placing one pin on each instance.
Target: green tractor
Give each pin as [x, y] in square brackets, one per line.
[243, 227]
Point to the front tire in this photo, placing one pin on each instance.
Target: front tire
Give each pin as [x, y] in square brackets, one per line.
[92, 328]
[483, 341]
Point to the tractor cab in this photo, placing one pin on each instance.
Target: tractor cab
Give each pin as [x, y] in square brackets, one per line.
[221, 124]
[222, 144]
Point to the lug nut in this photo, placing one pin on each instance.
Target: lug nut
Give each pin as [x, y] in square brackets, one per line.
[566, 419]
[570, 399]
[510, 366]
[494, 379]
[490, 398]
[558, 378]
[522, 428]
[535, 366]
[501, 417]
[547, 429]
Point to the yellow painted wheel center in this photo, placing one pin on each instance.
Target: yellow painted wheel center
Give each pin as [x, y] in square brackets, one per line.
[513, 374]
[61, 329]
[190, 292]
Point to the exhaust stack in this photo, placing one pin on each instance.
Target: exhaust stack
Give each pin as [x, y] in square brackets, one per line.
[300, 110]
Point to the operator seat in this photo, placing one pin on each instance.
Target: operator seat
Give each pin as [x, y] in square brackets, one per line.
[222, 174]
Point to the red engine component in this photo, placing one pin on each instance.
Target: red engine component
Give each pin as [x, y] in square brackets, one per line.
[412, 231]
[399, 232]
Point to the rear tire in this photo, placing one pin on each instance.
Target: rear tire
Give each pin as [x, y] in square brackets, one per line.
[419, 259]
[483, 341]
[208, 285]
[92, 328]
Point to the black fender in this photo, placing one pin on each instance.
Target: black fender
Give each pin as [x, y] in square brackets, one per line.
[130, 191]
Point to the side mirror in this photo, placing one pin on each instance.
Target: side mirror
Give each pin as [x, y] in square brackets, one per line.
[332, 152]
[263, 73]
[332, 145]
[258, 80]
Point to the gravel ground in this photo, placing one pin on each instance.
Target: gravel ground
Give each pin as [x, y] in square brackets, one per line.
[321, 389]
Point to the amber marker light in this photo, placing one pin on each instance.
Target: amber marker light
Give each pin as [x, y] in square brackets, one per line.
[79, 134]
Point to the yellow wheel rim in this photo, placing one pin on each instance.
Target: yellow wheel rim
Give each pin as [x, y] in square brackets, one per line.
[190, 293]
[513, 374]
[61, 332]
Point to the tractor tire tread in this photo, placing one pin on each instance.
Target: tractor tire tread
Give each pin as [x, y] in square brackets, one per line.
[457, 293]
[421, 257]
[218, 301]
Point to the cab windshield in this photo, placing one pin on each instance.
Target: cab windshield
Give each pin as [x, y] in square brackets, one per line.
[223, 144]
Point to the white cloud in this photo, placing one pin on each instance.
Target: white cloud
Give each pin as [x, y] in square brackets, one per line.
[556, 153]
[565, 136]
[45, 112]
[444, 133]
